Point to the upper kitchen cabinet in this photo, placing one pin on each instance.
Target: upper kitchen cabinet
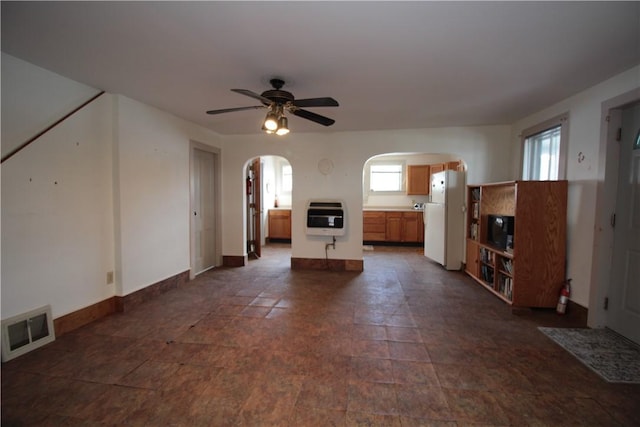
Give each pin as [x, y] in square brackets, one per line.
[455, 166]
[418, 179]
[419, 176]
[438, 167]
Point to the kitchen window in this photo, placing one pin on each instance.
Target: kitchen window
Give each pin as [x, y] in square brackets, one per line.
[386, 177]
[544, 150]
[287, 178]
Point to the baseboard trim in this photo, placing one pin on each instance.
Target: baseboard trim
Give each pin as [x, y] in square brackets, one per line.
[84, 316]
[577, 312]
[234, 260]
[134, 299]
[327, 264]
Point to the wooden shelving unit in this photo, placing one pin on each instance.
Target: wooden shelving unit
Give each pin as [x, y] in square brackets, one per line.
[532, 274]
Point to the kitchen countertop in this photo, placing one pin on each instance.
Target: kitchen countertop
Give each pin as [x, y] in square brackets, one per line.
[392, 209]
[371, 209]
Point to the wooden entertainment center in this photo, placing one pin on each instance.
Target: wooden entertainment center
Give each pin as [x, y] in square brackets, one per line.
[532, 272]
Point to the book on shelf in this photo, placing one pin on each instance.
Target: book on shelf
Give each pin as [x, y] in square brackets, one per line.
[475, 210]
[507, 265]
[473, 231]
[487, 256]
[487, 273]
[505, 286]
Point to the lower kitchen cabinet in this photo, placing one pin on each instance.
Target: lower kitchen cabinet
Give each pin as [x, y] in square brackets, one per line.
[280, 224]
[393, 226]
[374, 225]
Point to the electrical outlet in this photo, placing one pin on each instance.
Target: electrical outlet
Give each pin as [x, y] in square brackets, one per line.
[109, 277]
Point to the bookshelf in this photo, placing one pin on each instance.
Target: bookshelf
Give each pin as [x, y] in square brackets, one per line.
[532, 273]
[474, 212]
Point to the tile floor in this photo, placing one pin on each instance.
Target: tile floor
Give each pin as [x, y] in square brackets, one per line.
[402, 344]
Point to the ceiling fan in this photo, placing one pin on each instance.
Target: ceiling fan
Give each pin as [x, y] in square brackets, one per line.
[277, 101]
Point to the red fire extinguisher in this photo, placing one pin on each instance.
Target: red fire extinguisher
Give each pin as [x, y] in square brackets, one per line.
[565, 293]
[248, 185]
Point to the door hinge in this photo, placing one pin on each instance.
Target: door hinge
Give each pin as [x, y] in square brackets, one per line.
[606, 303]
[619, 134]
[612, 220]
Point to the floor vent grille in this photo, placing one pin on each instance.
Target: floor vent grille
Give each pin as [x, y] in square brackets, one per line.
[26, 332]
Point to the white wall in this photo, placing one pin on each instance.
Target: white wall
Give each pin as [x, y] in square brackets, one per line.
[106, 190]
[37, 98]
[152, 188]
[585, 175]
[57, 221]
[486, 150]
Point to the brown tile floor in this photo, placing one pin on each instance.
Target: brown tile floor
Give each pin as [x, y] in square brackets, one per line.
[402, 344]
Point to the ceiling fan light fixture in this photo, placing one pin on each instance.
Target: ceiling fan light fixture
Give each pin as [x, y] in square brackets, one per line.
[283, 126]
[277, 101]
[271, 122]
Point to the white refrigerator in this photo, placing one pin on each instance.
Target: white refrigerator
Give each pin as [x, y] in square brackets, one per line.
[444, 220]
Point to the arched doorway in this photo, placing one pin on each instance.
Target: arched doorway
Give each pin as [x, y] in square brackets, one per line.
[396, 189]
[269, 184]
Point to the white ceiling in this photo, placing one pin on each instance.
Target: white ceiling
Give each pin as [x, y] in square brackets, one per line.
[391, 65]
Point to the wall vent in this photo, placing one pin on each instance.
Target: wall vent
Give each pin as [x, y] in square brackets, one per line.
[26, 332]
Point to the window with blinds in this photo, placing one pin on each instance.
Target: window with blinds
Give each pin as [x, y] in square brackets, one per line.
[386, 177]
[543, 151]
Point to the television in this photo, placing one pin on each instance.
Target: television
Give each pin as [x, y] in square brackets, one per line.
[500, 231]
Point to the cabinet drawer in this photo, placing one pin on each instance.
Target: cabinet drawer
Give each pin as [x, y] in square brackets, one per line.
[373, 226]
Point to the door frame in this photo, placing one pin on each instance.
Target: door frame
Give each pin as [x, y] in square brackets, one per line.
[217, 215]
[606, 196]
[254, 213]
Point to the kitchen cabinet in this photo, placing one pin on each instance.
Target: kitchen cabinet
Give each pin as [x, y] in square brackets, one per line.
[405, 227]
[419, 176]
[438, 167]
[280, 224]
[455, 166]
[374, 224]
[418, 179]
[393, 226]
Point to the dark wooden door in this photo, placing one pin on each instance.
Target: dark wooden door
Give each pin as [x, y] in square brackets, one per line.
[257, 207]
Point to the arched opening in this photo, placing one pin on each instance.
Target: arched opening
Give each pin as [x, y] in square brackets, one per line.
[397, 190]
[268, 196]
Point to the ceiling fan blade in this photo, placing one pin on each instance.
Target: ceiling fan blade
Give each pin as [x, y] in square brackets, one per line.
[230, 110]
[316, 102]
[265, 101]
[326, 121]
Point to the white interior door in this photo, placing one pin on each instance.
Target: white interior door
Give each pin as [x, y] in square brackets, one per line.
[624, 293]
[203, 212]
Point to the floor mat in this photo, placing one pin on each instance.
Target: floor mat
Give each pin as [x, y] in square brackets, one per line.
[610, 355]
